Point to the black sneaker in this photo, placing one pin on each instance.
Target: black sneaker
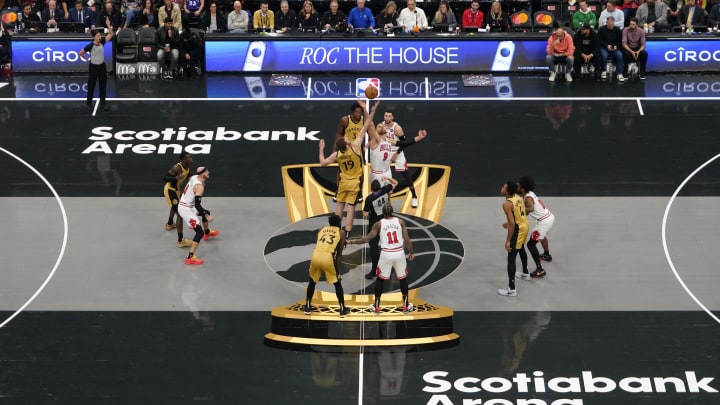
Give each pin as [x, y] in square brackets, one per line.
[546, 256]
[344, 311]
[370, 275]
[307, 309]
[359, 199]
[538, 273]
[335, 197]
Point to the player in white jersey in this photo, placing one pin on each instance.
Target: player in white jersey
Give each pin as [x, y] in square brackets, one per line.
[193, 214]
[381, 153]
[395, 131]
[394, 240]
[536, 209]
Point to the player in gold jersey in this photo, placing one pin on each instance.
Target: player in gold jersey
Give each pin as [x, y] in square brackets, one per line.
[326, 260]
[350, 161]
[173, 187]
[350, 127]
[517, 231]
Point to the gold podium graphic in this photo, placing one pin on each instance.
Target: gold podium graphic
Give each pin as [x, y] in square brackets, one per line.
[308, 192]
[309, 189]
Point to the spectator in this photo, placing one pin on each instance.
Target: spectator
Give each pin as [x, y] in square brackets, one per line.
[587, 50]
[388, 17]
[610, 38]
[361, 17]
[413, 18]
[560, 49]
[308, 18]
[173, 11]
[285, 19]
[5, 47]
[52, 15]
[583, 16]
[148, 16]
[496, 18]
[192, 10]
[190, 51]
[714, 19]
[692, 15]
[264, 18]
[614, 12]
[82, 14]
[238, 19]
[132, 10]
[673, 11]
[473, 17]
[168, 44]
[445, 15]
[332, 18]
[108, 13]
[629, 9]
[213, 20]
[633, 41]
[27, 18]
[653, 13]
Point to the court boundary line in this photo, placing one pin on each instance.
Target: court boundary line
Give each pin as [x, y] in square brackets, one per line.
[664, 238]
[62, 247]
[344, 99]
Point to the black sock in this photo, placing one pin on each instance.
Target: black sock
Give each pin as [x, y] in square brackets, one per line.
[547, 252]
[207, 231]
[180, 237]
[190, 255]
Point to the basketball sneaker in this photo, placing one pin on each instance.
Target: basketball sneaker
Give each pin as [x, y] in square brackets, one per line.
[538, 273]
[507, 292]
[344, 311]
[307, 309]
[370, 275]
[415, 202]
[546, 256]
[194, 260]
[409, 308]
[375, 310]
[184, 243]
[523, 276]
[213, 233]
[170, 227]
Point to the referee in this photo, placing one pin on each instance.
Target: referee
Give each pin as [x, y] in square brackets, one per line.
[373, 208]
[97, 69]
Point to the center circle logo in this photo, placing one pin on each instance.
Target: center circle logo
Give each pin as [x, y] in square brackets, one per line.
[438, 252]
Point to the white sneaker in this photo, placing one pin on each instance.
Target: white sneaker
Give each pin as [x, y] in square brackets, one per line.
[408, 309]
[507, 292]
[523, 276]
[603, 75]
[552, 77]
[415, 202]
[621, 78]
[568, 77]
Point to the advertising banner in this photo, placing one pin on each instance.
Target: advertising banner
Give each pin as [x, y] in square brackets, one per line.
[53, 55]
[683, 54]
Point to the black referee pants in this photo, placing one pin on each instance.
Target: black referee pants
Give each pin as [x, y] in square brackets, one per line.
[97, 73]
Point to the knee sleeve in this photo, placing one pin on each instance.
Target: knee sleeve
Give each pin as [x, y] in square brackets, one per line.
[198, 233]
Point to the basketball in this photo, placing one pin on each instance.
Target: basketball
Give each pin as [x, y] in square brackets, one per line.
[371, 91]
[9, 18]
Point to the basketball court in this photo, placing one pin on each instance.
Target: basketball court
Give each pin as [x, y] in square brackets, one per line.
[98, 307]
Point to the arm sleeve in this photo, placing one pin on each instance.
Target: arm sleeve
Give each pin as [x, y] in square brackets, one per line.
[198, 206]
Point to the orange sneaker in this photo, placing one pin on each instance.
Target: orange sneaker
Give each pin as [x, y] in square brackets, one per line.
[194, 260]
[212, 234]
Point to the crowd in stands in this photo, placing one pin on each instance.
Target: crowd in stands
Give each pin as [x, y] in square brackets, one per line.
[232, 16]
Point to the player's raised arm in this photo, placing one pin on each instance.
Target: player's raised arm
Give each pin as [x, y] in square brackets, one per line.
[321, 154]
